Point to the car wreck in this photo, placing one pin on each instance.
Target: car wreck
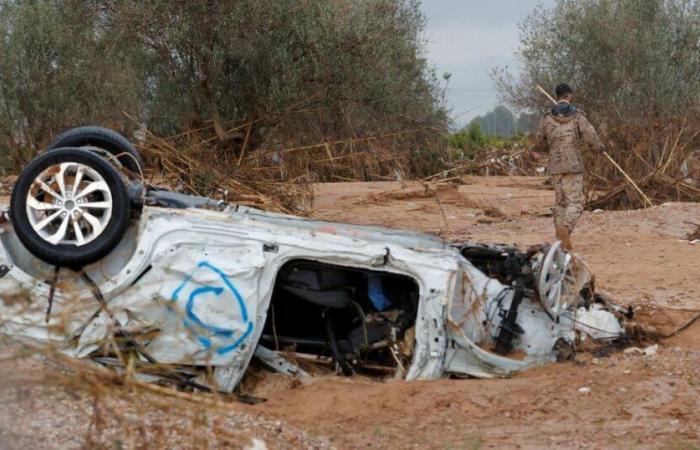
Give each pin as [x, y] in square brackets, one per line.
[98, 263]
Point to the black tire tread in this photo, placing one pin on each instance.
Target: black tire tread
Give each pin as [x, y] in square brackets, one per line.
[64, 255]
[105, 139]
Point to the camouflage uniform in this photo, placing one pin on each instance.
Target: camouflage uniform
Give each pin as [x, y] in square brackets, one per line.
[562, 131]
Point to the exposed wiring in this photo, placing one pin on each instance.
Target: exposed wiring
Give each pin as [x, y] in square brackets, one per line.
[498, 302]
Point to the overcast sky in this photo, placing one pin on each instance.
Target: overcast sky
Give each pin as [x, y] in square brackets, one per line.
[468, 38]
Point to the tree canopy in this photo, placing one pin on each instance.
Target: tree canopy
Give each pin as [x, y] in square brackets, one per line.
[301, 72]
[627, 60]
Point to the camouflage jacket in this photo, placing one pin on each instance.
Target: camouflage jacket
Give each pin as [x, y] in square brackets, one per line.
[561, 132]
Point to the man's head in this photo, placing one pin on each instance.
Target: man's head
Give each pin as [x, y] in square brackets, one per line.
[564, 92]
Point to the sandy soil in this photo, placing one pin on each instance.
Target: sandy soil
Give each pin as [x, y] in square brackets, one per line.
[639, 257]
[618, 400]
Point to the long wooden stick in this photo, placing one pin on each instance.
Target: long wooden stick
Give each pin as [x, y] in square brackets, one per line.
[646, 199]
[614, 163]
[546, 94]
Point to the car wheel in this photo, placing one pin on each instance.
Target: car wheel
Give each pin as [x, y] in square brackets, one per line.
[70, 207]
[110, 142]
[554, 273]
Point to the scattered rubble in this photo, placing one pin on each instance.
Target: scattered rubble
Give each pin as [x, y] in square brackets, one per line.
[647, 351]
[513, 160]
[632, 401]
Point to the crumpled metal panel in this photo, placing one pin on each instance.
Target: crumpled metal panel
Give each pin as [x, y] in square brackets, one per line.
[204, 301]
[204, 280]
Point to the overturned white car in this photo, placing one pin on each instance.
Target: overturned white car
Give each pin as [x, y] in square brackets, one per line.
[96, 262]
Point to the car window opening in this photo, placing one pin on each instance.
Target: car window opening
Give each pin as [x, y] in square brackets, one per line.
[353, 320]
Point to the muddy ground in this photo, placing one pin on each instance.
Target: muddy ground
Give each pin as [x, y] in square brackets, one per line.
[618, 400]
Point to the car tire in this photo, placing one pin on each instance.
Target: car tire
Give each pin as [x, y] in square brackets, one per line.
[70, 207]
[105, 139]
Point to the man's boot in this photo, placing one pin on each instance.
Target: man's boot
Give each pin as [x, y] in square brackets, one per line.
[564, 236]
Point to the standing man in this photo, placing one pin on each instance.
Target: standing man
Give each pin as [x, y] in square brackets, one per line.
[560, 132]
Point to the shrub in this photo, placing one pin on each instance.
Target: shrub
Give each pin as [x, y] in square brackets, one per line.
[633, 67]
[299, 73]
[59, 69]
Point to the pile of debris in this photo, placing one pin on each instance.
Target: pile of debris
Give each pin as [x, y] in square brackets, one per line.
[195, 162]
[508, 161]
[664, 170]
[268, 170]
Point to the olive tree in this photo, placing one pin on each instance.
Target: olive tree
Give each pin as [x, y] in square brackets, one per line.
[355, 66]
[626, 59]
[300, 72]
[633, 66]
[58, 69]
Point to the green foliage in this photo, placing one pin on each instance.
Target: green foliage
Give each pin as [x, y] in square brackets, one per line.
[475, 135]
[59, 69]
[359, 62]
[627, 60]
[633, 66]
[302, 72]
[468, 141]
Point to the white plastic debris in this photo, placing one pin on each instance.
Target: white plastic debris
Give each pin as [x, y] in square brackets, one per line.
[256, 444]
[651, 350]
[598, 211]
[597, 323]
[584, 390]
[648, 351]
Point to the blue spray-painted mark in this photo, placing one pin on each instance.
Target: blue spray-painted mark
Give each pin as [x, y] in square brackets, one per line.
[192, 320]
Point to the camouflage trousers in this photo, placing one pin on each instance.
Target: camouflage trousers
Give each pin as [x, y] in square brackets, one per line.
[568, 190]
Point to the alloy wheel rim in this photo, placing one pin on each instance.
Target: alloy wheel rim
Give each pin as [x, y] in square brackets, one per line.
[69, 204]
[554, 279]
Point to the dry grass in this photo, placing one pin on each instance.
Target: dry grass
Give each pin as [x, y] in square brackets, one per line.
[276, 176]
[193, 163]
[663, 160]
[53, 401]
